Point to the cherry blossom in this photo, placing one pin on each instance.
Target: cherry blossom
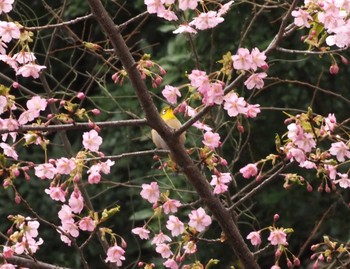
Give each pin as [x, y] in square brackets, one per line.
[171, 263]
[250, 170]
[175, 226]
[188, 4]
[254, 238]
[115, 255]
[87, 224]
[171, 206]
[301, 18]
[7, 266]
[30, 70]
[6, 6]
[171, 93]
[234, 105]
[76, 201]
[65, 166]
[160, 238]
[258, 59]
[340, 150]
[164, 250]
[9, 31]
[56, 193]
[142, 232]
[242, 60]
[24, 57]
[9, 151]
[255, 81]
[278, 237]
[92, 141]
[344, 181]
[150, 192]
[211, 140]
[199, 220]
[220, 182]
[45, 171]
[184, 28]
[190, 247]
[206, 20]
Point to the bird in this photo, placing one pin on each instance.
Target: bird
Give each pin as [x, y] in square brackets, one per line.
[167, 114]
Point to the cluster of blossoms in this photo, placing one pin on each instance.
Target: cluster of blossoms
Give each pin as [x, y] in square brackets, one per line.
[277, 238]
[198, 222]
[23, 238]
[332, 15]
[203, 20]
[303, 146]
[23, 62]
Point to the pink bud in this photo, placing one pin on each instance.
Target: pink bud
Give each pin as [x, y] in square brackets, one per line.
[309, 187]
[278, 253]
[52, 100]
[240, 128]
[91, 124]
[334, 69]
[97, 129]
[124, 244]
[76, 178]
[81, 95]
[17, 199]
[296, 261]
[344, 60]
[223, 162]
[289, 263]
[264, 67]
[50, 116]
[162, 71]
[140, 264]
[96, 111]
[15, 85]
[62, 102]
[276, 217]
[16, 172]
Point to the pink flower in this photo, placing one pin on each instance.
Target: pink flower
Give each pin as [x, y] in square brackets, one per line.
[70, 227]
[199, 220]
[45, 171]
[150, 192]
[65, 166]
[65, 214]
[160, 238]
[278, 237]
[198, 78]
[220, 182]
[36, 103]
[224, 8]
[213, 94]
[254, 238]
[275, 267]
[115, 255]
[31, 228]
[331, 171]
[340, 150]
[185, 28]
[344, 181]
[94, 177]
[169, 15]
[330, 122]
[56, 193]
[6, 6]
[188, 4]
[206, 20]
[7, 252]
[171, 206]
[301, 18]
[9, 151]
[87, 224]
[92, 141]
[141, 232]
[234, 105]
[255, 81]
[211, 140]
[170, 263]
[76, 201]
[171, 93]
[9, 31]
[175, 226]
[242, 60]
[250, 170]
[3, 104]
[24, 57]
[190, 247]
[253, 110]
[105, 167]
[258, 59]
[155, 6]
[164, 250]
[30, 70]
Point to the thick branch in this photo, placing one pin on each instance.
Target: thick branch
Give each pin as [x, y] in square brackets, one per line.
[28, 263]
[181, 157]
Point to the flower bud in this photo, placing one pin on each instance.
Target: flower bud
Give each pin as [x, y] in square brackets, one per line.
[96, 111]
[344, 60]
[81, 95]
[334, 69]
[15, 85]
[276, 217]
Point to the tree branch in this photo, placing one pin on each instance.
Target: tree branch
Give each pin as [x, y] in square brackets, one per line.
[29, 263]
[192, 172]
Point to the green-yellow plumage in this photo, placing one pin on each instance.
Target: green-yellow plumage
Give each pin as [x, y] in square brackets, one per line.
[170, 119]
